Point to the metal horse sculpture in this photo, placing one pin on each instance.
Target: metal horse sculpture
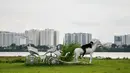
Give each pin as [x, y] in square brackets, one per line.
[79, 51]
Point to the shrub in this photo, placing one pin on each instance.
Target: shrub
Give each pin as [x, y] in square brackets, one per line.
[108, 58]
[125, 58]
[69, 48]
[15, 59]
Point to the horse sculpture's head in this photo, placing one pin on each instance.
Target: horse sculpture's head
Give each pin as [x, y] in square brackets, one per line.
[96, 41]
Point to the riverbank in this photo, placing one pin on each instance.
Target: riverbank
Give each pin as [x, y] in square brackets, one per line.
[95, 54]
[97, 66]
[21, 59]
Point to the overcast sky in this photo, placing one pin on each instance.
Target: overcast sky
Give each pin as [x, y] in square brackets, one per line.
[102, 18]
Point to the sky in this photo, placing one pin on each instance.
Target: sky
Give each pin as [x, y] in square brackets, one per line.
[102, 18]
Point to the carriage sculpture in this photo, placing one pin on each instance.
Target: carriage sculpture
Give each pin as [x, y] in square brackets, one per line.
[52, 55]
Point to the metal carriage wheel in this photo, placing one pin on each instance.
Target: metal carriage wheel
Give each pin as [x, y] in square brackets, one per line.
[52, 60]
[32, 59]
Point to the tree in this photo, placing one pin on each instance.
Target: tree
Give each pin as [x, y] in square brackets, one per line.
[128, 46]
[0, 47]
[113, 45]
[69, 48]
[124, 46]
[98, 50]
[13, 46]
[20, 47]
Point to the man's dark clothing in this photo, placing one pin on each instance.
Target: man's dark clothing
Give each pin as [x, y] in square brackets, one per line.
[89, 45]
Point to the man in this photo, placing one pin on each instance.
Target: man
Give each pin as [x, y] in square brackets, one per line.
[89, 45]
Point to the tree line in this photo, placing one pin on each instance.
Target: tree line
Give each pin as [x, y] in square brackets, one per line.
[114, 48]
[22, 48]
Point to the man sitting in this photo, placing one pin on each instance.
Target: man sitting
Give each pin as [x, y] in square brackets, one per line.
[89, 45]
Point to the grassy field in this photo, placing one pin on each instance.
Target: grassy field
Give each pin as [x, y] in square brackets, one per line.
[98, 66]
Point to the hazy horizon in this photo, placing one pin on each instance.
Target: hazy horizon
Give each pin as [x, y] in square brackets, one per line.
[102, 18]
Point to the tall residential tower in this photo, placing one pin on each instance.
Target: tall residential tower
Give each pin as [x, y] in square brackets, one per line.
[81, 38]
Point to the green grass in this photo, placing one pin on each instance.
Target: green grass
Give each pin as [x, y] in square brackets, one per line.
[98, 66]
[12, 59]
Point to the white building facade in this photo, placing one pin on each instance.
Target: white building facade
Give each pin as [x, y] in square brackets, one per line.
[49, 37]
[127, 39]
[81, 38]
[118, 40]
[122, 39]
[8, 38]
[32, 36]
[56, 37]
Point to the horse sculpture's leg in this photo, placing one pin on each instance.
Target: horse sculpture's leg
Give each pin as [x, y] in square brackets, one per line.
[74, 57]
[90, 58]
[76, 54]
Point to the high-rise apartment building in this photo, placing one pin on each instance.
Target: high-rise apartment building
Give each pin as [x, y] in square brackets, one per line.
[122, 39]
[33, 36]
[49, 37]
[8, 38]
[81, 38]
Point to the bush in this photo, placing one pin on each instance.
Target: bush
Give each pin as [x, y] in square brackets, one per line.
[125, 58]
[69, 48]
[108, 58]
[10, 59]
